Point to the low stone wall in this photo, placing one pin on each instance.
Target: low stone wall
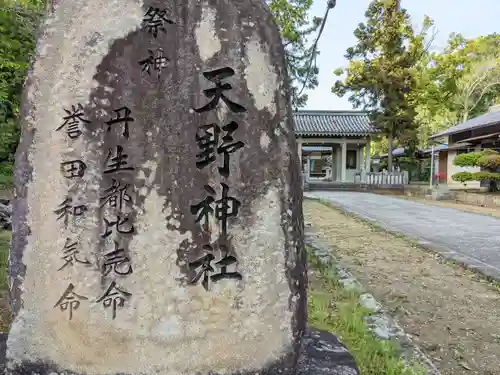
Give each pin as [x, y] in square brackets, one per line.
[389, 190]
[474, 197]
[358, 187]
[416, 190]
[477, 199]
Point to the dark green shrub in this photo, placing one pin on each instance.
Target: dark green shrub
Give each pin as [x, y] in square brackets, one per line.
[486, 176]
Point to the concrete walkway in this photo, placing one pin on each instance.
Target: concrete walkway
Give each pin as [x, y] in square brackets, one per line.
[471, 239]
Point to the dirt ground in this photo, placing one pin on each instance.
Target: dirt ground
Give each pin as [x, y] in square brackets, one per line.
[453, 315]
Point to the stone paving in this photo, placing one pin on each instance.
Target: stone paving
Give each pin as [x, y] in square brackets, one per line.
[471, 239]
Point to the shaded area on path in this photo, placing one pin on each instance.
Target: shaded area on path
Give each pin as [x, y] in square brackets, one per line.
[471, 239]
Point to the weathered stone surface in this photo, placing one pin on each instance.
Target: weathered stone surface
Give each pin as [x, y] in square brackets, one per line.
[5, 201]
[3, 349]
[321, 354]
[93, 54]
[324, 354]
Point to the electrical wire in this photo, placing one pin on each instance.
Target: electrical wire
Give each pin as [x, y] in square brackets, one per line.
[329, 5]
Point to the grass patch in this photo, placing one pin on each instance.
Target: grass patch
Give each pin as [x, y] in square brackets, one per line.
[6, 182]
[4, 257]
[6, 173]
[334, 309]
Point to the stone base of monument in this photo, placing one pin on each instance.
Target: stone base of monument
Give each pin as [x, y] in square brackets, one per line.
[322, 354]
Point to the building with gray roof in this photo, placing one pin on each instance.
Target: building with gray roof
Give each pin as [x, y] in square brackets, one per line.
[478, 133]
[333, 144]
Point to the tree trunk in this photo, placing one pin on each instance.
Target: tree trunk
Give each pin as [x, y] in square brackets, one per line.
[493, 186]
[390, 138]
[389, 155]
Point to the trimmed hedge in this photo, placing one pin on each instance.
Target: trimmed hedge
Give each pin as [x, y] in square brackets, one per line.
[476, 176]
[463, 176]
[468, 160]
[489, 161]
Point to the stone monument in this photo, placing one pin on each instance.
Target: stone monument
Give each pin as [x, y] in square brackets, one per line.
[157, 220]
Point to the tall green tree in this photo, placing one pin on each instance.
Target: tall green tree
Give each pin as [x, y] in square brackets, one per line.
[382, 71]
[458, 83]
[18, 22]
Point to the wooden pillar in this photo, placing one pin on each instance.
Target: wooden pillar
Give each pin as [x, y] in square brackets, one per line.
[334, 165]
[343, 158]
[368, 158]
[299, 149]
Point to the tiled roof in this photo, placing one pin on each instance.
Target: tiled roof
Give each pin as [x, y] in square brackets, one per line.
[332, 123]
[441, 147]
[317, 148]
[400, 151]
[490, 118]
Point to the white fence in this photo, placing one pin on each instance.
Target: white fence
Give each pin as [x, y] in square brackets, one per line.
[383, 178]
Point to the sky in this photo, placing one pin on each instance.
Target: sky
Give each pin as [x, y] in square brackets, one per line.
[471, 18]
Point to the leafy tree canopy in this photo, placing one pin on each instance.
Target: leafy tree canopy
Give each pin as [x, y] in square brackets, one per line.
[18, 22]
[458, 83]
[382, 71]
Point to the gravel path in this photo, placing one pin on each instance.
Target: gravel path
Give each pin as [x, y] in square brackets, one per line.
[469, 238]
